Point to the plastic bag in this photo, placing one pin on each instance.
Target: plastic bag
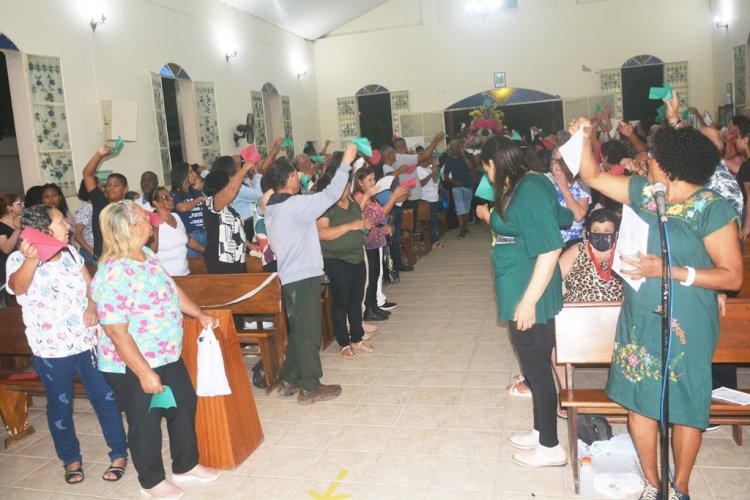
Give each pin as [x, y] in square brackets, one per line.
[212, 379]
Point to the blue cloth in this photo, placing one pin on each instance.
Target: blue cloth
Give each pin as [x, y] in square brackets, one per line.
[201, 237]
[57, 376]
[462, 199]
[247, 197]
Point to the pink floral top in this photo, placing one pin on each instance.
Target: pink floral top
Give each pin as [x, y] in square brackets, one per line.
[373, 211]
[53, 306]
[142, 295]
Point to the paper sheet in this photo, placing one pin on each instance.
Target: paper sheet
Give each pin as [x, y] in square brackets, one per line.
[572, 151]
[633, 238]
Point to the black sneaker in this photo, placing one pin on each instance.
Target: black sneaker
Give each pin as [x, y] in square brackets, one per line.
[388, 306]
[322, 393]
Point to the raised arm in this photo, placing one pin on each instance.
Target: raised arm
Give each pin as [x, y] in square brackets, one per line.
[271, 156]
[430, 149]
[312, 206]
[612, 186]
[229, 192]
[89, 180]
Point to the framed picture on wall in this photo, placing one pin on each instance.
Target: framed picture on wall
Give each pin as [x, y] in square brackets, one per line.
[500, 80]
[726, 113]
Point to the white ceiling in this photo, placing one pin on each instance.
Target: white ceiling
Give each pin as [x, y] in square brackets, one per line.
[309, 19]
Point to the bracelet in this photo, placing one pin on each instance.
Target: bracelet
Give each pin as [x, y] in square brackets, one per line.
[675, 123]
[690, 277]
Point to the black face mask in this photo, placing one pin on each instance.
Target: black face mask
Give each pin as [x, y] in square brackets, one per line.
[602, 241]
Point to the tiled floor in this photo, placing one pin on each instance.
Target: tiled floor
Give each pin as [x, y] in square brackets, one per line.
[426, 417]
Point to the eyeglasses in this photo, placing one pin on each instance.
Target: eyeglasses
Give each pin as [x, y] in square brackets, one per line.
[164, 197]
[18, 202]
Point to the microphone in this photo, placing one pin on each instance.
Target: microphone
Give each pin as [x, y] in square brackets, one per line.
[659, 190]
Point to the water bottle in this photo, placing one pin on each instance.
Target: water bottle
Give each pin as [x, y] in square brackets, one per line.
[586, 479]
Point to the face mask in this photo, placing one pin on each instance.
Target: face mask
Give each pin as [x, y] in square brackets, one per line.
[602, 241]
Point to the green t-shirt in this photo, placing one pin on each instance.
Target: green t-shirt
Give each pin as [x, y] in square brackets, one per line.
[531, 228]
[348, 247]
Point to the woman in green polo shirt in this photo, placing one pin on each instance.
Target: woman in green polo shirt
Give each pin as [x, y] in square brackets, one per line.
[527, 220]
[342, 242]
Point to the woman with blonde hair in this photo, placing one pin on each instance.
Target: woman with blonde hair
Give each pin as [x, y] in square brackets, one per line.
[140, 308]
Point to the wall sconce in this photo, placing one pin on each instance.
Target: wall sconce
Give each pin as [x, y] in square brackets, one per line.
[719, 23]
[229, 55]
[301, 73]
[94, 21]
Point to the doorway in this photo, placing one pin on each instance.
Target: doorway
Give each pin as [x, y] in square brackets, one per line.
[11, 180]
[171, 111]
[375, 118]
[636, 82]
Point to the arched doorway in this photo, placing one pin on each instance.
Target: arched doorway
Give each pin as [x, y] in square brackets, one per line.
[374, 112]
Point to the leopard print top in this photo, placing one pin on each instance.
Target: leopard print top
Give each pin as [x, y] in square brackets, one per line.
[583, 283]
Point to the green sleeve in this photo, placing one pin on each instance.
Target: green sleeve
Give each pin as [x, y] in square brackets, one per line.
[716, 214]
[636, 183]
[536, 215]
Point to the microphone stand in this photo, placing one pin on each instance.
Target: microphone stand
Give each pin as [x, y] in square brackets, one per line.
[666, 309]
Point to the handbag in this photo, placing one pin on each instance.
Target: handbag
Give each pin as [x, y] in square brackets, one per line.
[212, 379]
[390, 273]
[445, 203]
[593, 428]
[259, 375]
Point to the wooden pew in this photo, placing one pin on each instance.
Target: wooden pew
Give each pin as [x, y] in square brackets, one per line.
[745, 290]
[585, 336]
[211, 291]
[407, 236]
[198, 266]
[423, 220]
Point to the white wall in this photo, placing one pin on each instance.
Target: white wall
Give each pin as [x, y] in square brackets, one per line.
[140, 36]
[432, 49]
[736, 13]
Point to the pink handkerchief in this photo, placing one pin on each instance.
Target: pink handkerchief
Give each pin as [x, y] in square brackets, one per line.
[410, 183]
[46, 246]
[250, 154]
[154, 218]
[410, 169]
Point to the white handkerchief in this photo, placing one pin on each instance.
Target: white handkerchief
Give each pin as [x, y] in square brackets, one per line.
[385, 182]
[633, 238]
[614, 122]
[572, 151]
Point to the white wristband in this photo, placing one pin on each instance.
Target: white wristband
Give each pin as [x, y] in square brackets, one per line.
[690, 277]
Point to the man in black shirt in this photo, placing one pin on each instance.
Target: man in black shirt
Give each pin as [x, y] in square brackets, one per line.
[114, 190]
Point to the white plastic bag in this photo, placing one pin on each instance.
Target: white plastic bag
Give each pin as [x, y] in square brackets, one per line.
[212, 379]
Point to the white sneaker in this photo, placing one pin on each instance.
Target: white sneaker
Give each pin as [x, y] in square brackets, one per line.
[541, 456]
[165, 489]
[197, 473]
[526, 441]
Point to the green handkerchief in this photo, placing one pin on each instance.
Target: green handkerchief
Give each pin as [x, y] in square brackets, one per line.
[287, 144]
[363, 146]
[485, 189]
[661, 113]
[685, 113]
[599, 108]
[163, 399]
[658, 93]
[117, 147]
[317, 159]
[516, 136]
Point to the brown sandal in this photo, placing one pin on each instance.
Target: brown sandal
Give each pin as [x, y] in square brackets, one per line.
[347, 353]
[363, 346]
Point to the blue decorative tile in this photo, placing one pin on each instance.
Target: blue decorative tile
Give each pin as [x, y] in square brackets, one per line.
[51, 127]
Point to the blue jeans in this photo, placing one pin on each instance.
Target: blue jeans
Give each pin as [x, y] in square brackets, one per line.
[434, 207]
[201, 237]
[57, 375]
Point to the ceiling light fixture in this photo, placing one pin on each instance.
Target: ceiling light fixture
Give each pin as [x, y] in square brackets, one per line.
[483, 8]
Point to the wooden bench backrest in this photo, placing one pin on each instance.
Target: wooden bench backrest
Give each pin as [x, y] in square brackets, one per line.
[13, 333]
[214, 289]
[585, 333]
[745, 290]
[198, 266]
[407, 219]
[423, 211]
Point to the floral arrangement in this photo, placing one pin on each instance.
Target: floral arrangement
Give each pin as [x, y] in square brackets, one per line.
[487, 121]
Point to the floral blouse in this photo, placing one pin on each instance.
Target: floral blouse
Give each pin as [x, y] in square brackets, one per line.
[142, 295]
[53, 306]
[373, 211]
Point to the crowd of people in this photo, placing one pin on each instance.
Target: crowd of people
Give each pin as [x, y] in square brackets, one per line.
[339, 218]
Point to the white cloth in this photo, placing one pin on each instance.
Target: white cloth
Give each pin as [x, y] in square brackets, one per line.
[143, 202]
[429, 190]
[172, 252]
[54, 305]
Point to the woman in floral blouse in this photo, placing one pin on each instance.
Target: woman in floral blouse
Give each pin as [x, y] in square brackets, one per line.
[140, 308]
[62, 331]
[705, 257]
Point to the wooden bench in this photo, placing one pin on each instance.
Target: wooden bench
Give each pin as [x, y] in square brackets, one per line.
[407, 236]
[585, 336]
[423, 221]
[745, 290]
[210, 291]
[198, 266]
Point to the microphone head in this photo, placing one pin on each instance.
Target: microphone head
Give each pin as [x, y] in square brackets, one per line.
[658, 188]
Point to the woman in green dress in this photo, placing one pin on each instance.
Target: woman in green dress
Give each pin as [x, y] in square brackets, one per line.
[704, 245]
[527, 220]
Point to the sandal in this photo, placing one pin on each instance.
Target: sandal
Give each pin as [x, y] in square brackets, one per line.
[514, 388]
[347, 353]
[438, 244]
[562, 413]
[363, 346]
[71, 475]
[117, 471]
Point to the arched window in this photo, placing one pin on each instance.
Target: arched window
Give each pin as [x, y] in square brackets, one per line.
[172, 70]
[372, 89]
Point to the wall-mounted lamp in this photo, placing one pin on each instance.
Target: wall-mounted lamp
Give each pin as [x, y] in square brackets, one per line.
[720, 23]
[301, 73]
[230, 55]
[96, 21]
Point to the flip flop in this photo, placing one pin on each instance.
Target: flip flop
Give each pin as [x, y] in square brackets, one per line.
[512, 389]
[347, 353]
[362, 346]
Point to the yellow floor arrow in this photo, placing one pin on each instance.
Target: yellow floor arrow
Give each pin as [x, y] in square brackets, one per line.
[328, 494]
